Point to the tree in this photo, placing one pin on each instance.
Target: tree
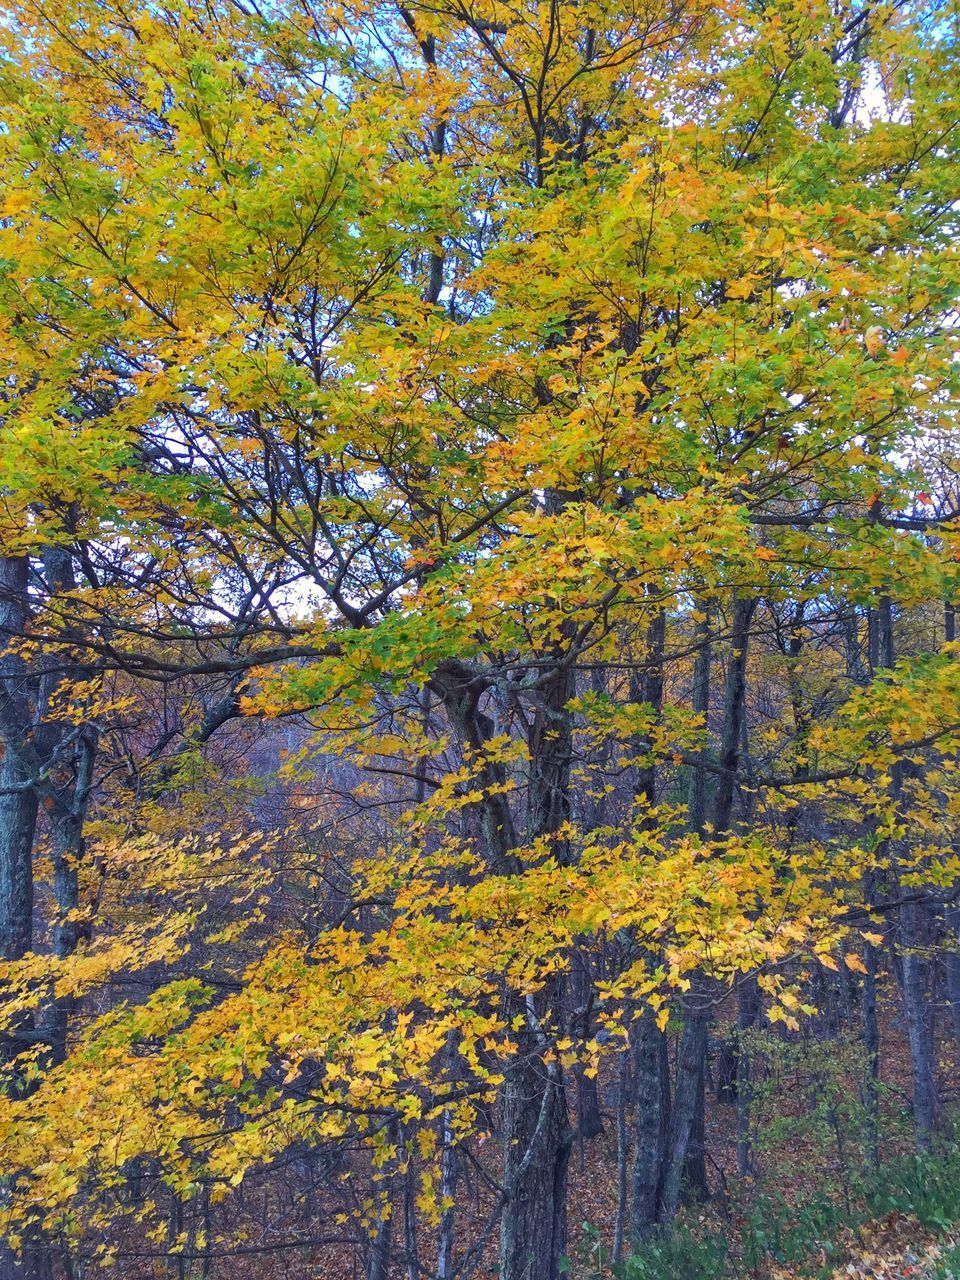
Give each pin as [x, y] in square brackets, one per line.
[479, 389]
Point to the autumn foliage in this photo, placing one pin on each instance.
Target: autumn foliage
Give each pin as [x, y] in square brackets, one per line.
[479, 534]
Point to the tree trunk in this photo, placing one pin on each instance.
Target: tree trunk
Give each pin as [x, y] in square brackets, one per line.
[687, 1097]
[18, 820]
[551, 747]
[913, 943]
[686, 1155]
[734, 693]
[378, 1262]
[700, 703]
[448, 1175]
[537, 1142]
[651, 1081]
[748, 1010]
[18, 799]
[871, 1037]
[951, 964]
[649, 690]
[651, 1127]
[589, 1114]
[536, 1134]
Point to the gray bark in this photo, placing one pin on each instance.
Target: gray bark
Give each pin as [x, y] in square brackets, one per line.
[859, 672]
[951, 961]
[700, 703]
[688, 1096]
[731, 737]
[536, 1133]
[18, 798]
[537, 1142]
[912, 942]
[748, 1011]
[378, 1261]
[649, 690]
[685, 1155]
[652, 1123]
[651, 1079]
[918, 1007]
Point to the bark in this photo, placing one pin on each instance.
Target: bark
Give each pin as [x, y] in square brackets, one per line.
[871, 1037]
[687, 1098]
[859, 672]
[460, 690]
[649, 690]
[410, 1235]
[551, 746]
[537, 1136]
[951, 961]
[913, 943]
[695, 1186]
[71, 753]
[912, 940]
[623, 1148]
[651, 1126]
[69, 848]
[733, 713]
[651, 1083]
[378, 1262]
[748, 1011]
[448, 1175]
[685, 1162]
[589, 1114]
[18, 814]
[537, 1142]
[536, 1133]
[700, 703]
[18, 798]
[951, 915]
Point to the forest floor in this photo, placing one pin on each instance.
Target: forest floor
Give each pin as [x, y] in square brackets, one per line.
[899, 1250]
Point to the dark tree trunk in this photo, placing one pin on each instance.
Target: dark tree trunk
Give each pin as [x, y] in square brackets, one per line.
[859, 672]
[951, 915]
[695, 1185]
[651, 1101]
[378, 1262]
[649, 690]
[700, 703]
[951, 963]
[748, 1011]
[871, 1035]
[460, 689]
[71, 754]
[912, 941]
[18, 798]
[537, 1141]
[18, 812]
[686, 1157]
[651, 1069]
[18, 820]
[731, 734]
[551, 748]
[589, 1114]
[918, 1006]
[536, 1134]
[687, 1097]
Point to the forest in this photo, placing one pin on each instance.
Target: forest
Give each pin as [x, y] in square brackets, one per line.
[479, 683]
